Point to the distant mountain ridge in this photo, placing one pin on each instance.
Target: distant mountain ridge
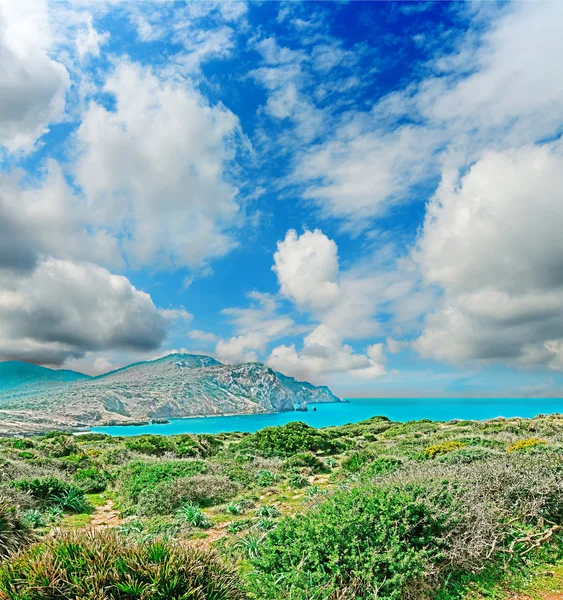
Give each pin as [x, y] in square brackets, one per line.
[36, 399]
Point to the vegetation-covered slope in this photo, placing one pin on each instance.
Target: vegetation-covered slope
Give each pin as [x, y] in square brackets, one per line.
[178, 385]
[378, 509]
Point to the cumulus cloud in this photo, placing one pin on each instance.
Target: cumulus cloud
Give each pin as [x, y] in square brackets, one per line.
[492, 242]
[307, 269]
[62, 310]
[33, 84]
[153, 170]
[89, 40]
[497, 90]
[324, 354]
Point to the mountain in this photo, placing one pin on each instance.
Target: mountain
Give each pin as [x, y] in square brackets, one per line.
[14, 374]
[178, 385]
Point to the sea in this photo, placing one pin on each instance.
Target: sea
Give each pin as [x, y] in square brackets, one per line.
[355, 410]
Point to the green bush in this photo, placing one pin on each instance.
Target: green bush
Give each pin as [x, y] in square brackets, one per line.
[192, 514]
[105, 564]
[384, 538]
[465, 456]
[297, 481]
[153, 445]
[92, 481]
[139, 476]
[307, 460]
[14, 532]
[265, 478]
[50, 491]
[356, 460]
[201, 490]
[287, 440]
[381, 466]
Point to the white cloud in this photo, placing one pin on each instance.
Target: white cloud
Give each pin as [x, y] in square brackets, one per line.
[88, 41]
[62, 310]
[323, 354]
[492, 241]
[33, 84]
[255, 326]
[307, 269]
[154, 171]
[176, 315]
[500, 89]
[206, 337]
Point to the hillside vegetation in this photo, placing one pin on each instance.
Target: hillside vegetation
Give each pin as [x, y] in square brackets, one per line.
[457, 510]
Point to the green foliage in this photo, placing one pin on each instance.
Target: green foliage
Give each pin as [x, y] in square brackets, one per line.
[192, 514]
[356, 460]
[50, 491]
[386, 538]
[14, 531]
[153, 445]
[139, 476]
[105, 564]
[465, 456]
[307, 460]
[92, 481]
[268, 512]
[34, 518]
[287, 440]
[297, 481]
[22, 444]
[265, 478]
[201, 490]
[381, 466]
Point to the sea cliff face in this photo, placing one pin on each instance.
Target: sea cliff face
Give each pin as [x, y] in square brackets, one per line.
[178, 385]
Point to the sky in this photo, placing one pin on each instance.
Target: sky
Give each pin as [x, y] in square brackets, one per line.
[366, 195]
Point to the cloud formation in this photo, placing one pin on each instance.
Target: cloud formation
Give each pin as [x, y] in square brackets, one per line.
[62, 310]
[492, 242]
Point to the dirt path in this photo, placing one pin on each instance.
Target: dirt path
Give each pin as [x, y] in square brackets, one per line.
[105, 516]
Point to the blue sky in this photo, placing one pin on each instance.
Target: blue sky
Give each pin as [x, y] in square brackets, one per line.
[363, 194]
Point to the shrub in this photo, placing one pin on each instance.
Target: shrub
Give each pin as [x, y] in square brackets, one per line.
[105, 564]
[444, 448]
[14, 533]
[287, 440]
[265, 478]
[297, 481]
[22, 444]
[193, 515]
[356, 460]
[92, 481]
[34, 518]
[524, 445]
[307, 460]
[385, 537]
[139, 476]
[465, 456]
[51, 491]
[59, 446]
[153, 445]
[201, 490]
[268, 512]
[381, 466]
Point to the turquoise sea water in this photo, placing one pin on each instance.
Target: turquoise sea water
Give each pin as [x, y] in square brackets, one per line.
[358, 409]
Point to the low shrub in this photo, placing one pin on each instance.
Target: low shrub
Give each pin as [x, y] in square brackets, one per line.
[153, 445]
[14, 532]
[139, 476]
[201, 490]
[51, 491]
[193, 515]
[381, 466]
[105, 564]
[384, 537]
[297, 481]
[265, 478]
[465, 456]
[287, 440]
[440, 449]
[92, 481]
[307, 460]
[356, 460]
[525, 445]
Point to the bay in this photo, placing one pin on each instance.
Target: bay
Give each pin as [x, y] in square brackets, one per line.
[355, 410]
